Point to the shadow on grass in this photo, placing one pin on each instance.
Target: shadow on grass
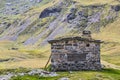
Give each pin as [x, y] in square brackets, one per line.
[111, 71]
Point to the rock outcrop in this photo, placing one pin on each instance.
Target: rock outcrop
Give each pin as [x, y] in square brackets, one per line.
[116, 7]
[50, 12]
[64, 17]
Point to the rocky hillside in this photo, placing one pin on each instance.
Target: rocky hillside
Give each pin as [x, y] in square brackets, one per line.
[14, 7]
[32, 23]
[29, 24]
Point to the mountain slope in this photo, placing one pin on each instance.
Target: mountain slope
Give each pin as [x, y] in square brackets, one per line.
[111, 47]
[29, 31]
[82, 17]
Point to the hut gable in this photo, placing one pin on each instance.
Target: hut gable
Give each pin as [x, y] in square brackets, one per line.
[75, 53]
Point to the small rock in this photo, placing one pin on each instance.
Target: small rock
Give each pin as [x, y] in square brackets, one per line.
[70, 16]
[64, 78]
[70, 72]
[116, 8]
[21, 74]
[53, 74]
[33, 72]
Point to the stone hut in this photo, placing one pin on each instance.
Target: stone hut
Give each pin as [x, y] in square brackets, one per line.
[75, 53]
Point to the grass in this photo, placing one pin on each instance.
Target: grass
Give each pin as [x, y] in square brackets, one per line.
[25, 57]
[91, 2]
[32, 55]
[110, 50]
[114, 58]
[24, 62]
[105, 74]
[36, 77]
[17, 70]
[2, 2]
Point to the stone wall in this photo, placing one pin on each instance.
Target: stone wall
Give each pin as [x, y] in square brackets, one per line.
[75, 55]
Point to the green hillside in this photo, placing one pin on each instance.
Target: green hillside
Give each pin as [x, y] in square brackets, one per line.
[31, 30]
[24, 36]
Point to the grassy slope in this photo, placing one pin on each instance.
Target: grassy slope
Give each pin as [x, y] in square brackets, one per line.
[106, 74]
[110, 50]
[113, 39]
[25, 55]
[28, 57]
[89, 2]
[111, 47]
[22, 57]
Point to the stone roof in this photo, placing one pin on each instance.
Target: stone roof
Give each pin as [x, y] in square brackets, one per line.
[74, 38]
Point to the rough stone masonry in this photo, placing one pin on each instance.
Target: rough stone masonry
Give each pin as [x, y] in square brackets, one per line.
[75, 53]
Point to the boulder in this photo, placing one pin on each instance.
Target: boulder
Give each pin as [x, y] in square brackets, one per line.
[71, 16]
[116, 7]
[83, 13]
[48, 11]
[73, 10]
